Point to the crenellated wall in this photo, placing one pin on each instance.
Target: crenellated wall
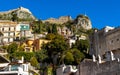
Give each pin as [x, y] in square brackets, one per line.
[88, 67]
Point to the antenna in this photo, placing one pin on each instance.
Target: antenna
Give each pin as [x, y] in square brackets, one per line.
[85, 14]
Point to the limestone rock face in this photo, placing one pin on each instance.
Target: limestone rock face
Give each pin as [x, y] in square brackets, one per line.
[24, 13]
[83, 21]
[21, 13]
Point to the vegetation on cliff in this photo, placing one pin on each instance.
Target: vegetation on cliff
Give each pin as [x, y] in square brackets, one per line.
[19, 14]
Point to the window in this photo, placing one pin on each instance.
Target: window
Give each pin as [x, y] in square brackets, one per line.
[117, 39]
[2, 29]
[14, 28]
[9, 28]
[14, 34]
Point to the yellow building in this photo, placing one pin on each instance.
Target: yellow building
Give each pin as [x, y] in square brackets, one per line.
[39, 42]
[33, 45]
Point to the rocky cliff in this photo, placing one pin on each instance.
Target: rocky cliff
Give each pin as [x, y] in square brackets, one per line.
[83, 21]
[20, 13]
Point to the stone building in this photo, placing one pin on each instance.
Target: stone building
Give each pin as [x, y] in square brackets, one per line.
[23, 30]
[11, 31]
[88, 67]
[61, 20]
[66, 70]
[105, 40]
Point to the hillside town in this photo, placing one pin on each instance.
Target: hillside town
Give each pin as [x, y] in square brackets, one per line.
[63, 46]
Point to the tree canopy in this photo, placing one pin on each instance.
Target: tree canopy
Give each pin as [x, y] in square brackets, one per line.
[82, 45]
[41, 55]
[56, 47]
[27, 55]
[12, 48]
[69, 58]
[78, 56]
[72, 56]
[34, 62]
[38, 27]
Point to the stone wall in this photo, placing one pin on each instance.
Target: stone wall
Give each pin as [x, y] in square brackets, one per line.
[61, 20]
[103, 41]
[113, 39]
[88, 67]
[98, 43]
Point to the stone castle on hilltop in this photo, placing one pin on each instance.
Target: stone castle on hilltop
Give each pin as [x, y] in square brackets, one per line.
[61, 20]
[24, 14]
[21, 13]
[80, 21]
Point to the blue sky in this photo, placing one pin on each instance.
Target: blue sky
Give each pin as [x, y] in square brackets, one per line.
[101, 12]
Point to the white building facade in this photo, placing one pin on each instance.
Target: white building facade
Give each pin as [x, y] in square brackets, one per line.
[8, 32]
[11, 31]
